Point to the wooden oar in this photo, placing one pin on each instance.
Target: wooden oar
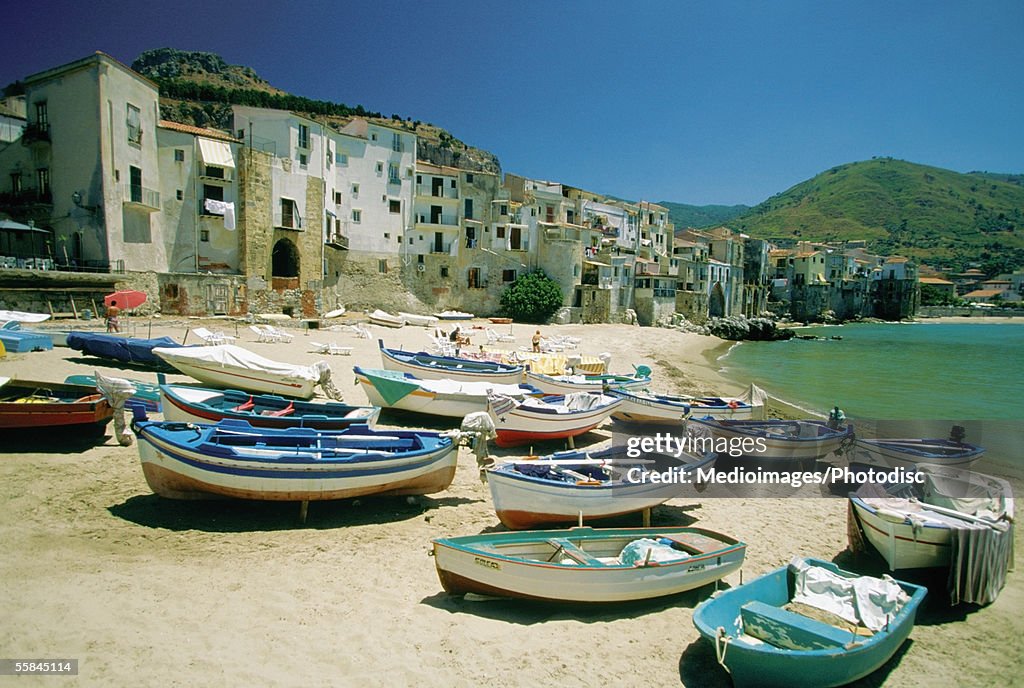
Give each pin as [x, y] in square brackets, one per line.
[957, 514]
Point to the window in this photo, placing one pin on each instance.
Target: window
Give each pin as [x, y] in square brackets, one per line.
[42, 116]
[473, 279]
[382, 265]
[380, 168]
[289, 214]
[204, 235]
[341, 158]
[508, 275]
[43, 180]
[373, 136]
[213, 171]
[504, 210]
[394, 206]
[393, 177]
[387, 235]
[419, 258]
[135, 184]
[212, 192]
[469, 177]
[500, 231]
[180, 195]
[179, 155]
[419, 178]
[453, 183]
[357, 216]
[329, 156]
[303, 136]
[134, 125]
[469, 209]
[337, 198]
[396, 142]
[355, 191]
[444, 271]
[16, 182]
[303, 160]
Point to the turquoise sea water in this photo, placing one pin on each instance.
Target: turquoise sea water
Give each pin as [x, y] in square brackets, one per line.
[927, 376]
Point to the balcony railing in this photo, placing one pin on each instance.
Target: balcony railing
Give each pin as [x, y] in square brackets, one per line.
[337, 240]
[450, 220]
[293, 221]
[36, 132]
[445, 249]
[25, 197]
[665, 292]
[395, 180]
[140, 195]
[443, 192]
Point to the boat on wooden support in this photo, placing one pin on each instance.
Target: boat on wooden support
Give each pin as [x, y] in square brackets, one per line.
[379, 317]
[585, 564]
[427, 366]
[553, 417]
[780, 631]
[234, 459]
[41, 405]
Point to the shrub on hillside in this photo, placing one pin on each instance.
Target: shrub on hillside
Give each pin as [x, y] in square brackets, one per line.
[533, 298]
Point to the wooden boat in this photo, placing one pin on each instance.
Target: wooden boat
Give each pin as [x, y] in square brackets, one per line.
[201, 405]
[912, 524]
[146, 394]
[640, 407]
[449, 398]
[418, 320]
[233, 459]
[761, 643]
[38, 405]
[907, 453]
[567, 384]
[553, 417]
[795, 440]
[567, 486]
[428, 366]
[379, 317]
[501, 321]
[233, 367]
[123, 349]
[585, 565]
[454, 315]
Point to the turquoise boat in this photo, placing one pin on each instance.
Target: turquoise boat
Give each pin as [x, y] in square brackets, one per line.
[146, 393]
[763, 643]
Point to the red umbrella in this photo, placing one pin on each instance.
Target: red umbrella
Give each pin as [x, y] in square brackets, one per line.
[125, 300]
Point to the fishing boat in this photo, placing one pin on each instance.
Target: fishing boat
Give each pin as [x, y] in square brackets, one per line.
[943, 517]
[146, 394]
[123, 349]
[23, 317]
[454, 315]
[778, 440]
[569, 486]
[567, 384]
[781, 631]
[202, 405]
[336, 313]
[379, 317]
[449, 398]
[427, 366]
[234, 459]
[233, 367]
[501, 321]
[586, 565]
[418, 320]
[552, 417]
[17, 340]
[640, 407]
[39, 405]
[907, 453]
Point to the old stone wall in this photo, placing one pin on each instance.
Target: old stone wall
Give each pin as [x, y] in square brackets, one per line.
[693, 305]
[595, 304]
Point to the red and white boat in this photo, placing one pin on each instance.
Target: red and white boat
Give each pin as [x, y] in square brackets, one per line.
[37, 405]
[519, 422]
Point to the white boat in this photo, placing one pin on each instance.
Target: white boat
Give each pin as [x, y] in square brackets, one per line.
[565, 487]
[418, 320]
[640, 407]
[908, 453]
[21, 316]
[529, 420]
[568, 384]
[777, 440]
[450, 398]
[336, 313]
[454, 315]
[586, 565]
[426, 366]
[379, 317]
[911, 525]
[232, 367]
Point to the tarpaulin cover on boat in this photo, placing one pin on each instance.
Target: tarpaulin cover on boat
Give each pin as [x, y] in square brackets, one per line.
[126, 349]
[231, 356]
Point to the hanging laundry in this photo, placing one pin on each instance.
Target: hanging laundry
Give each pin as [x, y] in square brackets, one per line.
[222, 208]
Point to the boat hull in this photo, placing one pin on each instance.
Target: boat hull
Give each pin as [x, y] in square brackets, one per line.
[178, 471]
[230, 377]
[523, 424]
[431, 367]
[777, 447]
[761, 664]
[552, 385]
[419, 320]
[904, 453]
[898, 543]
[463, 567]
[86, 410]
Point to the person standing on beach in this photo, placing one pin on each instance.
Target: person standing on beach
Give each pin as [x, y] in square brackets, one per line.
[536, 342]
[112, 312]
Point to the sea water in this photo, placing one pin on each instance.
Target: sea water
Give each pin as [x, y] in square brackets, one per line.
[967, 373]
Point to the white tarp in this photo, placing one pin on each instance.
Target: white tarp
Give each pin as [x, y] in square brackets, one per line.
[231, 356]
[872, 602]
[481, 389]
[19, 316]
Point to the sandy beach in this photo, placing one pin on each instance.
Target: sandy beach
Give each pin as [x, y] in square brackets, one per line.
[147, 591]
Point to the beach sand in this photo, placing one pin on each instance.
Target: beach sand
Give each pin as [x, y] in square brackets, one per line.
[147, 591]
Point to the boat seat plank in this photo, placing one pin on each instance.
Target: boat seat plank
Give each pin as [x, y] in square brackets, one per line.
[574, 552]
[790, 631]
[702, 544]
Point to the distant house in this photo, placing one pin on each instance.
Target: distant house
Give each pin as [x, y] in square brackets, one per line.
[943, 287]
[990, 295]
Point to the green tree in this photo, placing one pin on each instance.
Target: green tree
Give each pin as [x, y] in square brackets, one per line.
[533, 298]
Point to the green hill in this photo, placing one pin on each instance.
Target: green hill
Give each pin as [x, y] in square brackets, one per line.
[934, 215]
[683, 215]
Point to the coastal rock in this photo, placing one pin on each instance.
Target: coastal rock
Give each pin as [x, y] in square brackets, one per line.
[737, 328]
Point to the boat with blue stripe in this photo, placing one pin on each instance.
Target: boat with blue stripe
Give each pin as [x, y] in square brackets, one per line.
[427, 366]
[234, 459]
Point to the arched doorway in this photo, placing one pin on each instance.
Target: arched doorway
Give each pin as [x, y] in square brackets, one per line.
[716, 303]
[285, 259]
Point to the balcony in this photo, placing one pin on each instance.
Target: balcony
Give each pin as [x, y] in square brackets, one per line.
[447, 220]
[140, 196]
[443, 192]
[287, 221]
[337, 240]
[397, 181]
[445, 249]
[26, 197]
[36, 132]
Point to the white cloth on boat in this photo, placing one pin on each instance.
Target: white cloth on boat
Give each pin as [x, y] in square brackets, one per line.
[471, 388]
[229, 355]
[117, 391]
[861, 599]
[225, 208]
[980, 555]
[583, 401]
[635, 553]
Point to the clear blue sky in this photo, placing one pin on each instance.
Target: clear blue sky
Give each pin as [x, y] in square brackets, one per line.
[694, 102]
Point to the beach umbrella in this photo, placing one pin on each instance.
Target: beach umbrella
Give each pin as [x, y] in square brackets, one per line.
[126, 299]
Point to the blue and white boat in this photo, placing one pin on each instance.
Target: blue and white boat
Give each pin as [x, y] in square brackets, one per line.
[234, 459]
[569, 384]
[765, 640]
[908, 453]
[427, 366]
[124, 349]
[17, 340]
[782, 440]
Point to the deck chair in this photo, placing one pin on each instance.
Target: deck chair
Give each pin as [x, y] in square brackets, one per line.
[332, 349]
[212, 338]
[281, 335]
[494, 337]
[262, 335]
